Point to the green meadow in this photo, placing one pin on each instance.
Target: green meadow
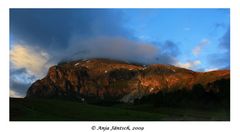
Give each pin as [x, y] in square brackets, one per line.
[69, 110]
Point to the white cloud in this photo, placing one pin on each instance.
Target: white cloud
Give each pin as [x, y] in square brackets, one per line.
[197, 50]
[189, 64]
[15, 94]
[33, 60]
[211, 69]
[27, 65]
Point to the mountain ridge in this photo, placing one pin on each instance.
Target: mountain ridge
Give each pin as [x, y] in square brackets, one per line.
[106, 79]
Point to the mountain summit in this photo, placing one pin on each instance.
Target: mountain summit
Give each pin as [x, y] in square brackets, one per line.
[105, 79]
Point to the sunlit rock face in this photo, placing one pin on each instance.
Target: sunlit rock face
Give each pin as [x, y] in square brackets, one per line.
[105, 79]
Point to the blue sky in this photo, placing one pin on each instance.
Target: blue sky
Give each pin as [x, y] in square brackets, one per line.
[197, 39]
[187, 28]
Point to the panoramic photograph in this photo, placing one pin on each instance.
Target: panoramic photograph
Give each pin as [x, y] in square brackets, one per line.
[139, 64]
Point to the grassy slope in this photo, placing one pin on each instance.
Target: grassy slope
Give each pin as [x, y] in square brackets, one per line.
[59, 110]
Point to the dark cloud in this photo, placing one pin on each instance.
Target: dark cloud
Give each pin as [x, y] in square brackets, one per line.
[54, 28]
[22, 75]
[170, 48]
[20, 81]
[17, 71]
[121, 48]
[18, 88]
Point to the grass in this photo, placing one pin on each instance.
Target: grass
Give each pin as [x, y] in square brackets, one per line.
[62, 110]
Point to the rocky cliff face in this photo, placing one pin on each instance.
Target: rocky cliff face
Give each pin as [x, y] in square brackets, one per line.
[109, 79]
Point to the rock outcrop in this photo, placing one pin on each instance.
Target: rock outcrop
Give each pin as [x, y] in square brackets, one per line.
[105, 79]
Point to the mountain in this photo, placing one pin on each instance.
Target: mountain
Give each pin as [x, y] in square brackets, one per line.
[105, 79]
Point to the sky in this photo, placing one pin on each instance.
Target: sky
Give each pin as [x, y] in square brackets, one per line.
[196, 39]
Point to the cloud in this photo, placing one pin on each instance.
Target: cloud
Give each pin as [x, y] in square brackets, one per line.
[33, 60]
[189, 64]
[52, 29]
[21, 76]
[122, 49]
[20, 81]
[27, 64]
[211, 69]
[18, 89]
[197, 50]
[170, 48]
[15, 94]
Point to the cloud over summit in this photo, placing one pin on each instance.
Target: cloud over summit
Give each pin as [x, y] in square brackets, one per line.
[121, 48]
